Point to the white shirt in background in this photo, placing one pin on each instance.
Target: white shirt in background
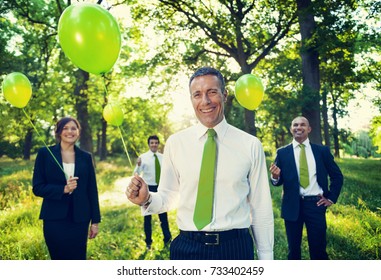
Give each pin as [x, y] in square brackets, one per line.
[147, 168]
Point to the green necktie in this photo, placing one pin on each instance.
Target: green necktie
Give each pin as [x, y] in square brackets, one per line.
[157, 169]
[204, 203]
[303, 167]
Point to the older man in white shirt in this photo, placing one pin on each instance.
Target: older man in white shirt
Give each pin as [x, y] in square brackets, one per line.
[241, 212]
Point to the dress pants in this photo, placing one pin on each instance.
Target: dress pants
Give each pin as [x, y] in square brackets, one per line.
[314, 218]
[239, 247]
[163, 217]
[66, 239]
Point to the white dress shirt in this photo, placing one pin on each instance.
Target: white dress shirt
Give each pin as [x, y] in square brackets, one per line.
[147, 168]
[69, 169]
[241, 195]
[313, 188]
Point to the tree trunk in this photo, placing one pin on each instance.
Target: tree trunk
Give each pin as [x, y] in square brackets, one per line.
[280, 139]
[250, 122]
[228, 106]
[98, 143]
[103, 143]
[327, 141]
[249, 115]
[335, 133]
[103, 147]
[310, 69]
[81, 93]
[27, 144]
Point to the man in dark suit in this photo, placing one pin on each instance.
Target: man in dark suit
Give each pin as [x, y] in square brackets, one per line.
[305, 199]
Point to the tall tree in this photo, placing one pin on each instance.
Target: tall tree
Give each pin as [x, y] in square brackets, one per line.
[310, 68]
[36, 33]
[81, 106]
[41, 59]
[338, 35]
[283, 94]
[226, 33]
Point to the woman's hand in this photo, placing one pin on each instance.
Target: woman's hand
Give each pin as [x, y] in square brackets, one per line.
[93, 231]
[71, 185]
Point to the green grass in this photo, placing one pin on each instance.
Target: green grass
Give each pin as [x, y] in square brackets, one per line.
[354, 223]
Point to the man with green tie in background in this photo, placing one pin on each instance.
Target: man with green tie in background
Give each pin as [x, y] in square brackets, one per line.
[148, 165]
[303, 168]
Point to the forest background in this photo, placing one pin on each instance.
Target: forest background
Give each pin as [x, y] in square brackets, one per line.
[314, 57]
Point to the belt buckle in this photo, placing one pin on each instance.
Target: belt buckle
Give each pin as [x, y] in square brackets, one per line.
[217, 238]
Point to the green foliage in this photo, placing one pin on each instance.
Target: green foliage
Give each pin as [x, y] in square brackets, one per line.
[54, 79]
[9, 149]
[375, 133]
[354, 223]
[362, 145]
[283, 99]
[187, 34]
[229, 35]
[15, 182]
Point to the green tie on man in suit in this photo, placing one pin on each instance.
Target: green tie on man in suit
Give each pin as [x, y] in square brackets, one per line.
[306, 204]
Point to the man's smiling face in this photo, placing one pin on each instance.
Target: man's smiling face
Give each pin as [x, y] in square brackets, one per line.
[208, 100]
[300, 128]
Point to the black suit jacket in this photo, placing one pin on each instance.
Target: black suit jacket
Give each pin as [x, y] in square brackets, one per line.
[325, 167]
[49, 182]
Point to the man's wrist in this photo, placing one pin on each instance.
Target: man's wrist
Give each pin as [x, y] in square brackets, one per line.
[274, 180]
[148, 201]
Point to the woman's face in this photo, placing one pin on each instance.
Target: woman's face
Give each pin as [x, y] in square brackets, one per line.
[70, 133]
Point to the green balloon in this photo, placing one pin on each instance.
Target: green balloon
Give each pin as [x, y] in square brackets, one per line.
[249, 91]
[17, 89]
[113, 114]
[90, 37]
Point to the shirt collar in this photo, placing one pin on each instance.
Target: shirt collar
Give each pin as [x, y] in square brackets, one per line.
[296, 143]
[220, 129]
[151, 153]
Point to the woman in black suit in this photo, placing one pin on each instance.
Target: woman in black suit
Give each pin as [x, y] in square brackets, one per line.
[64, 176]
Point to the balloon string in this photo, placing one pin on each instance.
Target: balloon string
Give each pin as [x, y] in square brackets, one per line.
[124, 145]
[120, 130]
[45, 143]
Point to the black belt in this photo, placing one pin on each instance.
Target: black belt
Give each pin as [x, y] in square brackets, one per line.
[310, 197]
[214, 237]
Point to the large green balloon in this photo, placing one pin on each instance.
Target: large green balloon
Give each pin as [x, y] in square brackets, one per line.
[249, 91]
[17, 89]
[113, 114]
[90, 37]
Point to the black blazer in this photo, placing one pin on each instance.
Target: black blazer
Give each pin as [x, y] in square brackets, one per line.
[49, 182]
[325, 167]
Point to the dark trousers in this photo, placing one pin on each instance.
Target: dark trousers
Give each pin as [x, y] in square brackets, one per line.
[313, 217]
[163, 223]
[65, 239]
[195, 247]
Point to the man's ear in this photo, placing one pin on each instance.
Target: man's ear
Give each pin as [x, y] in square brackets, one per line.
[225, 94]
